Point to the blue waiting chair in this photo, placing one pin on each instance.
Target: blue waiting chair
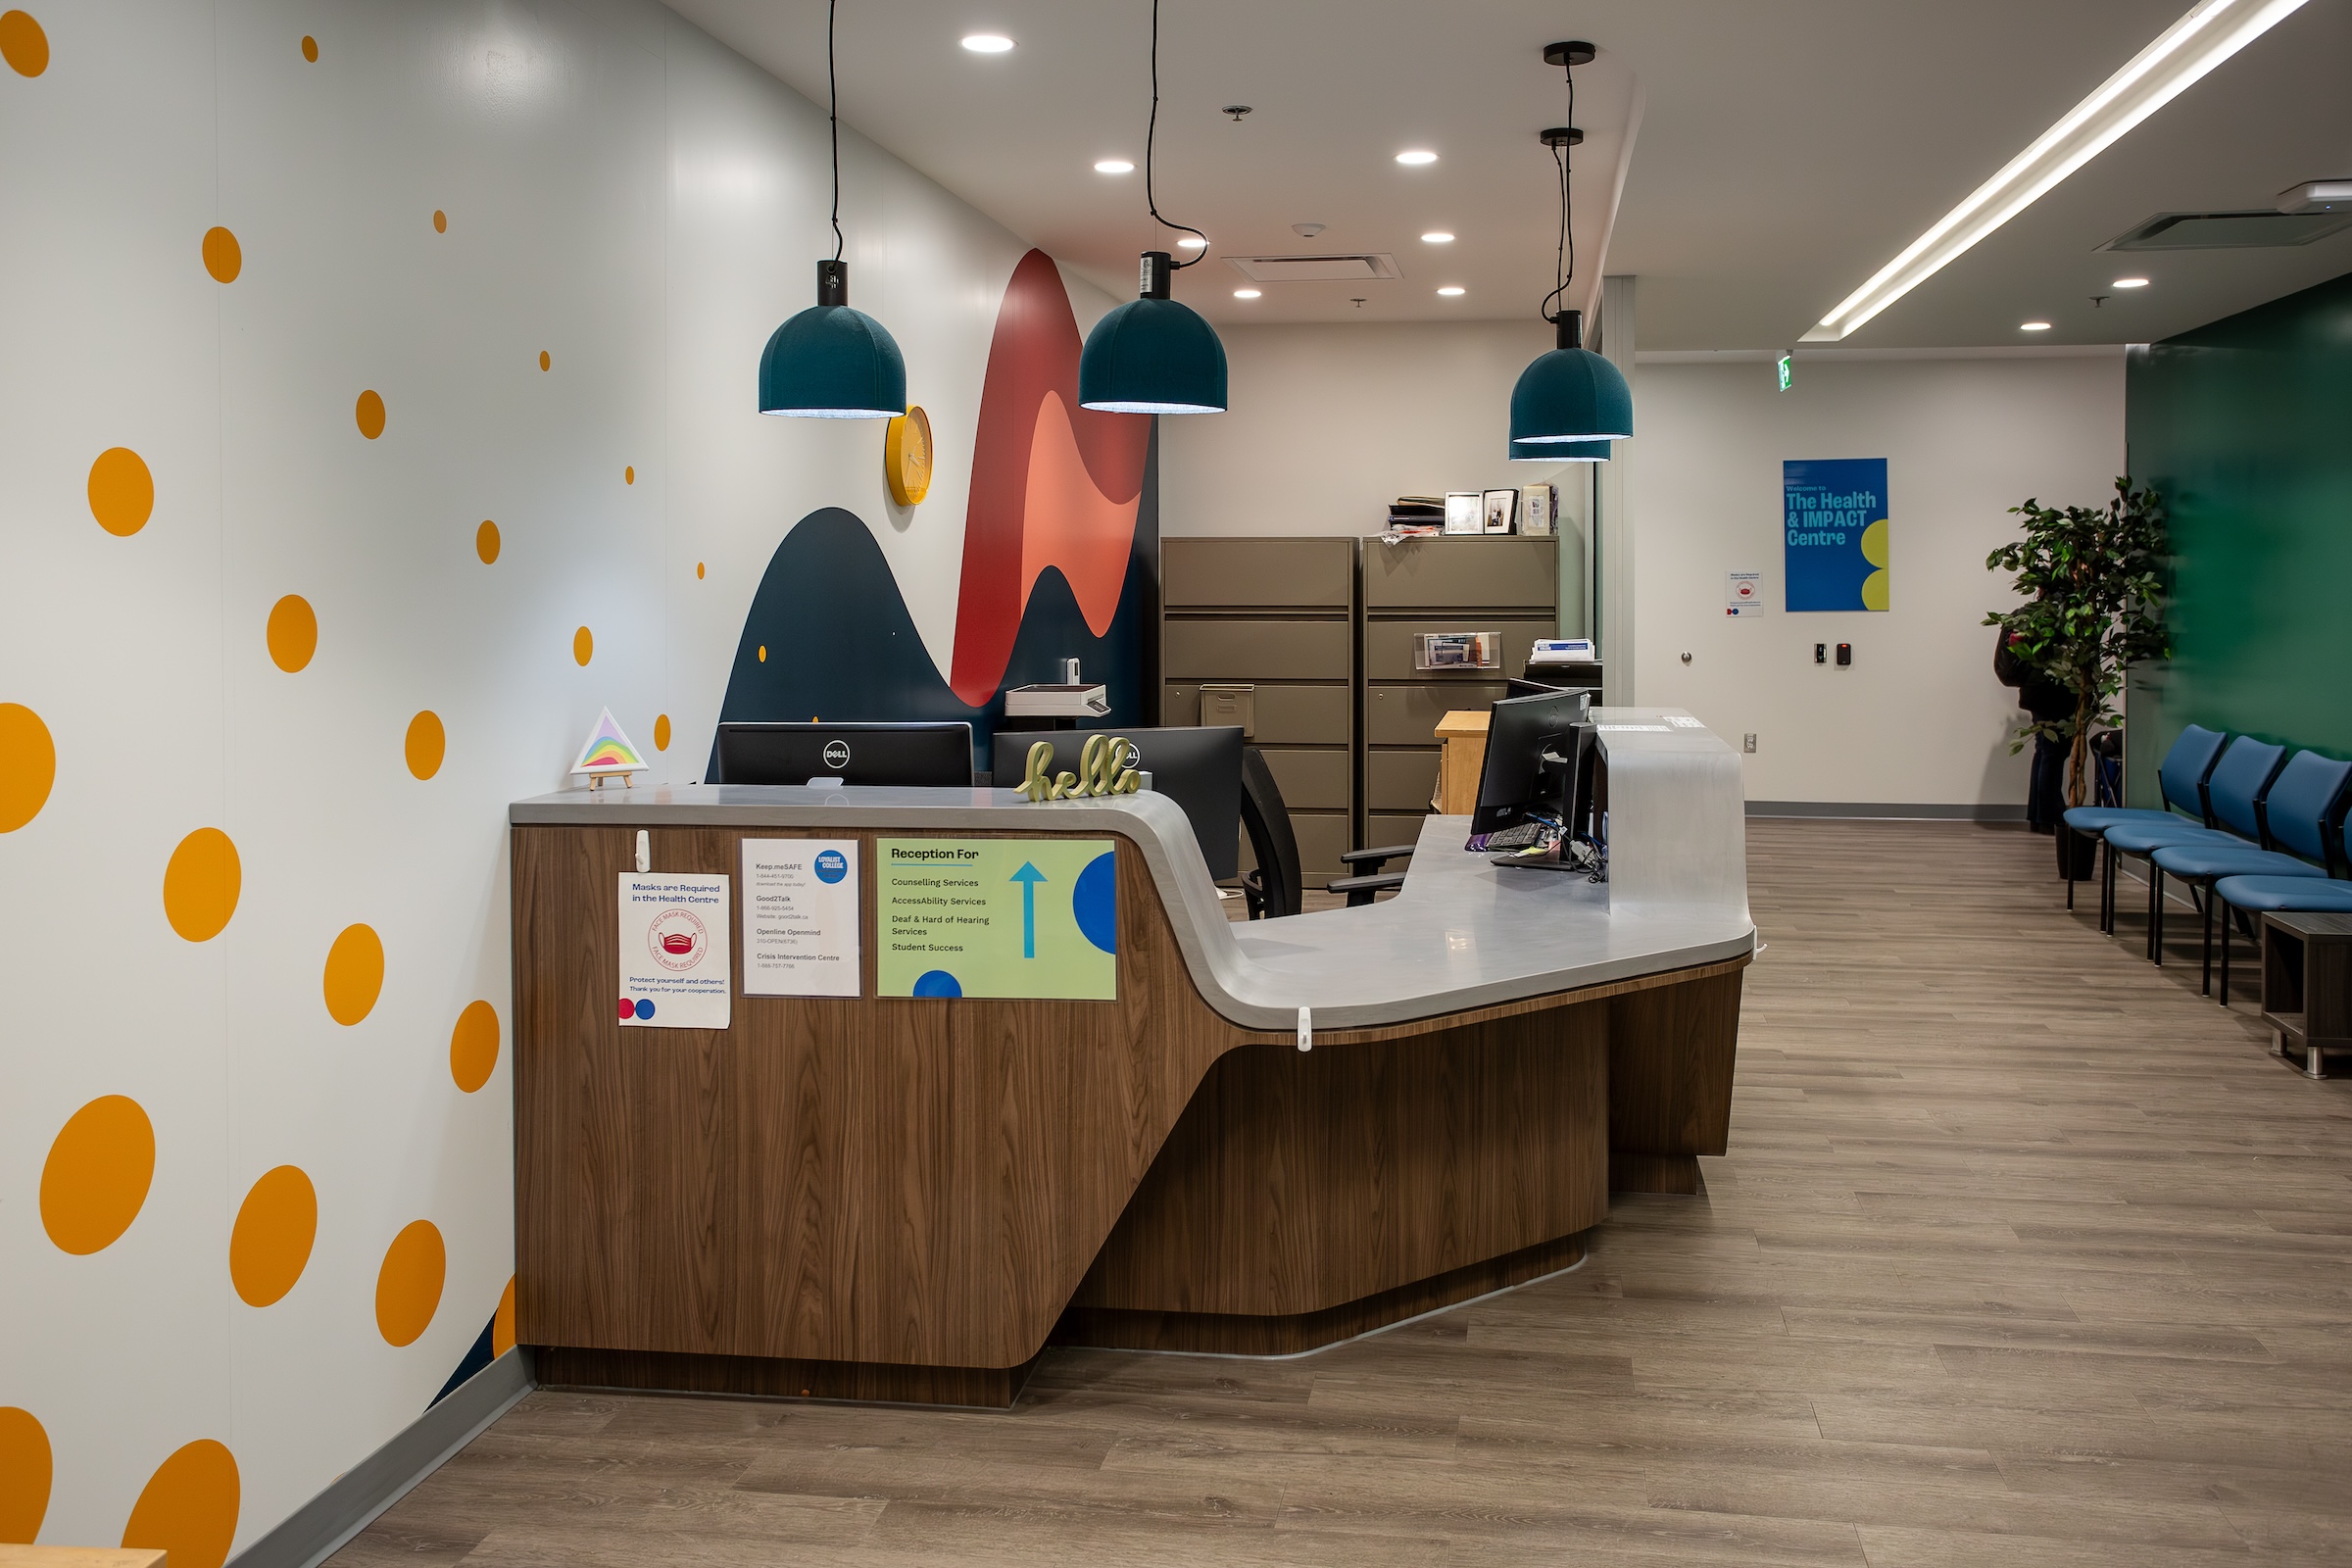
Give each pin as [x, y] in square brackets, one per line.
[2300, 816]
[2234, 789]
[2257, 894]
[2180, 777]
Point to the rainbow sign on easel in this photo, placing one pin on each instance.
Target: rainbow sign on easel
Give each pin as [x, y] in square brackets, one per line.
[607, 751]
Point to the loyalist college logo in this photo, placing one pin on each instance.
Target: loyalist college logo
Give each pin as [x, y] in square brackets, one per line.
[678, 940]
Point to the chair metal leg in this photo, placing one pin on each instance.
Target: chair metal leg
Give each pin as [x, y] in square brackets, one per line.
[2106, 886]
[2205, 982]
[2067, 849]
[2226, 917]
[2155, 913]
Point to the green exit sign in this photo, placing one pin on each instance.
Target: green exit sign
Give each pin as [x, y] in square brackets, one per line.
[1788, 372]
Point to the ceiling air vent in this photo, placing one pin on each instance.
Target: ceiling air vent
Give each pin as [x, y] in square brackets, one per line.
[1358, 268]
[2219, 231]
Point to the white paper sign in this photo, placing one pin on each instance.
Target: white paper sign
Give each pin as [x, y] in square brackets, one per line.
[676, 973]
[1744, 592]
[800, 917]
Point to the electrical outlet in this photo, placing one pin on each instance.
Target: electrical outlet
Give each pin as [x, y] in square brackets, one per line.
[1747, 742]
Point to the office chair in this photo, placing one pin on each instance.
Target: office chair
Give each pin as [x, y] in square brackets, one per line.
[1274, 887]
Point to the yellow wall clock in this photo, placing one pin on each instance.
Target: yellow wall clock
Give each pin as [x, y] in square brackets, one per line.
[907, 457]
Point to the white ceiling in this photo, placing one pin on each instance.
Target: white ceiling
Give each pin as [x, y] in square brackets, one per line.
[1771, 155]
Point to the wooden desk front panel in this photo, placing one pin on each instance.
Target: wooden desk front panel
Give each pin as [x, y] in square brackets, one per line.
[876, 1180]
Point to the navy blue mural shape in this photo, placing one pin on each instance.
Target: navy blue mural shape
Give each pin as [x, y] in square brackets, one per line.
[841, 645]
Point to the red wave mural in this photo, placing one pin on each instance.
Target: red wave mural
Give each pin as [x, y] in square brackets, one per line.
[1052, 484]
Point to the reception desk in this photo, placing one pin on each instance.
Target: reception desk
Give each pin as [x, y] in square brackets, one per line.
[910, 1197]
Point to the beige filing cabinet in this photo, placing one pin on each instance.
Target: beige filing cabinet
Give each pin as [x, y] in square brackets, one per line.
[1504, 585]
[1262, 633]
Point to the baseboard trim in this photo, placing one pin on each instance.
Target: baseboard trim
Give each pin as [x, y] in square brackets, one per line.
[1895, 812]
[320, 1528]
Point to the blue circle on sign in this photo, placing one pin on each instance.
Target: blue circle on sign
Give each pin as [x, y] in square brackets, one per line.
[938, 983]
[644, 1009]
[1094, 901]
[831, 865]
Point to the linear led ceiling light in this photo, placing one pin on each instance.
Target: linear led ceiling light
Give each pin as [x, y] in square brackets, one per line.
[2209, 35]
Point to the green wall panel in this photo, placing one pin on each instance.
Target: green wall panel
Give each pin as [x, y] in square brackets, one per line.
[2244, 426]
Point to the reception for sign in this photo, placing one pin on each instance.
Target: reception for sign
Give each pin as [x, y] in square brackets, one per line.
[997, 918]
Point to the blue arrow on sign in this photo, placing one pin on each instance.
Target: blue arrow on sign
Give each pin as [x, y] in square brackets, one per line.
[1028, 877]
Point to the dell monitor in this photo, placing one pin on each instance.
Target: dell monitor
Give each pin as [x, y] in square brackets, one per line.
[933, 754]
[1539, 767]
[1199, 768]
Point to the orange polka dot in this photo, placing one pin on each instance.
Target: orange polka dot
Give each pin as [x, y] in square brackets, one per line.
[660, 732]
[23, 44]
[502, 1321]
[473, 1046]
[426, 742]
[26, 1465]
[271, 1243]
[292, 633]
[27, 767]
[698, 572]
[309, 48]
[440, 221]
[223, 257]
[628, 475]
[201, 884]
[122, 491]
[189, 1508]
[583, 646]
[355, 974]
[486, 541]
[369, 412]
[95, 1180]
[764, 652]
[543, 360]
[408, 1288]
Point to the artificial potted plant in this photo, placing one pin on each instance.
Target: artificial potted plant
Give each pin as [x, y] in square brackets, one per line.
[2093, 608]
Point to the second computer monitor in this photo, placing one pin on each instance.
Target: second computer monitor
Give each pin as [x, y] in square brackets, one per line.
[909, 753]
[1199, 768]
[1539, 759]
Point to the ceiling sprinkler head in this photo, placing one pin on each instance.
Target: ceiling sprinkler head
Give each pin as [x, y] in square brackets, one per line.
[1360, 302]
[1236, 111]
[1306, 231]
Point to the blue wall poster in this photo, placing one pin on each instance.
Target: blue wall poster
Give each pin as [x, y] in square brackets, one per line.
[1834, 517]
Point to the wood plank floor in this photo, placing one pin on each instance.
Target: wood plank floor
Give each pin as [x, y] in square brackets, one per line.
[2023, 1255]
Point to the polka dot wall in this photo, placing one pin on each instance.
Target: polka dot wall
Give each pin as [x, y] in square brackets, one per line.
[384, 419]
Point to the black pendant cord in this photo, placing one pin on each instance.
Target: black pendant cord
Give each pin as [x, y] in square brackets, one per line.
[833, 112]
[1150, 138]
[1563, 261]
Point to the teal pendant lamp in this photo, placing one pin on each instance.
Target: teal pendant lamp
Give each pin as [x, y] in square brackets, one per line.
[1570, 399]
[1154, 354]
[831, 362]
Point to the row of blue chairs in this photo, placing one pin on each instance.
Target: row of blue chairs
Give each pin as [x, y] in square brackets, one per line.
[2243, 824]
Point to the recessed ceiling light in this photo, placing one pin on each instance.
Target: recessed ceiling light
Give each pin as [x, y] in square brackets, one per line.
[987, 43]
[1436, 236]
[1192, 243]
[1453, 289]
[2180, 56]
[2130, 282]
[1247, 293]
[1417, 155]
[2033, 326]
[1113, 165]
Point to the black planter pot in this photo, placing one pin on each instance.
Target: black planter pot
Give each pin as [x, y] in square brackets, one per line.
[2083, 849]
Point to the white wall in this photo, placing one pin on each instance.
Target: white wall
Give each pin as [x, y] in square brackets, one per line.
[1918, 718]
[622, 194]
[1329, 424]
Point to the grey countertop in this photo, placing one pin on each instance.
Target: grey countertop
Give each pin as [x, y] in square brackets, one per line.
[1460, 934]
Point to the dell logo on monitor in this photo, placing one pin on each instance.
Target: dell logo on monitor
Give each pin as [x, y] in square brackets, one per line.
[836, 753]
